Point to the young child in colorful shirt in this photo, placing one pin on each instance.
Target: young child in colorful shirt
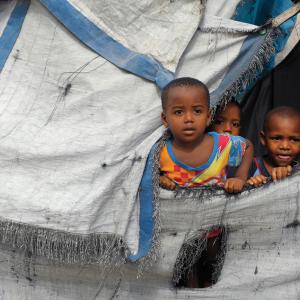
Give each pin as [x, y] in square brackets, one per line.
[193, 157]
[227, 151]
[281, 138]
[227, 120]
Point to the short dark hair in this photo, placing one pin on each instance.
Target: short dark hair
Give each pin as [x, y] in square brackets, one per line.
[282, 111]
[183, 81]
[222, 106]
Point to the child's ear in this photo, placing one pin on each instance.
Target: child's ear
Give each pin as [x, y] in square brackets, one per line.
[262, 138]
[164, 119]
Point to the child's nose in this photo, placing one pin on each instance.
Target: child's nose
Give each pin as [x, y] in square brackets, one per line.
[189, 117]
[227, 127]
[285, 145]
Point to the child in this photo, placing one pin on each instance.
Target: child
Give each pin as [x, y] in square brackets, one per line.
[228, 119]
[192, 157]
[281, 138]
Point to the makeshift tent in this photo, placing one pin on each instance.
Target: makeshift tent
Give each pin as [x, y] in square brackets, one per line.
[80, 107]
[278, 88]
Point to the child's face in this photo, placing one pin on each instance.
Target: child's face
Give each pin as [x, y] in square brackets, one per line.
[228, 120]
[186, 113]
[282, 140]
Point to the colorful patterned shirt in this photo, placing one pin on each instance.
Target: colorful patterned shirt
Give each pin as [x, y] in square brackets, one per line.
[227, 151]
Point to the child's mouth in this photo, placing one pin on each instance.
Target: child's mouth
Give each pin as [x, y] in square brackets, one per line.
[284, 157]
[189, 131]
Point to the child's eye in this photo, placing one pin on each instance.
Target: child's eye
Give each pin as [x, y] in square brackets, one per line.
[236, 124]
[197, 110]
[178, 112]
[219, 121]
[295, 140]
[275, 138]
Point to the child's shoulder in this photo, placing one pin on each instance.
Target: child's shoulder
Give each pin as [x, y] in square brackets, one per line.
[223, 137]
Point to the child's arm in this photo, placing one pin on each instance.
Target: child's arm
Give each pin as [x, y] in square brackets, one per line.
[236, 184]
[166, 183]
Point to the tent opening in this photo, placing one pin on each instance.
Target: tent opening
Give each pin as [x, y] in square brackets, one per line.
[201, 259]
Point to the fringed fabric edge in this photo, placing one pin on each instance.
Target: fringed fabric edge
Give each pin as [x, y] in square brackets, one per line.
[63, 247]
[191, 251]
[251, 72]
[146, 262]
[223, 29]
[188, 254]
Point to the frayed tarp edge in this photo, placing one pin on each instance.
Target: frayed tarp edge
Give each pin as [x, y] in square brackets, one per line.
[63, 247]
[240, 79]
[150, 225]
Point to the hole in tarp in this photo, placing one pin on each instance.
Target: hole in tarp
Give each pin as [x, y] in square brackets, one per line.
[201, 259]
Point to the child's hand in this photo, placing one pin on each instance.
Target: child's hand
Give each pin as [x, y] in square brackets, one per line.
[166, 183]
[257, 180]
[234, 185]
[281, 172]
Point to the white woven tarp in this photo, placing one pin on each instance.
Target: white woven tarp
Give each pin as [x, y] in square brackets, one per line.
[261, 260]
[76, 130]
[75, 134]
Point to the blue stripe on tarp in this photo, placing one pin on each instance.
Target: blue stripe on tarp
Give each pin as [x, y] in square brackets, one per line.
[12, 30]
[146, 197]
[248, 50]
[258, 13]
[95, 38]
